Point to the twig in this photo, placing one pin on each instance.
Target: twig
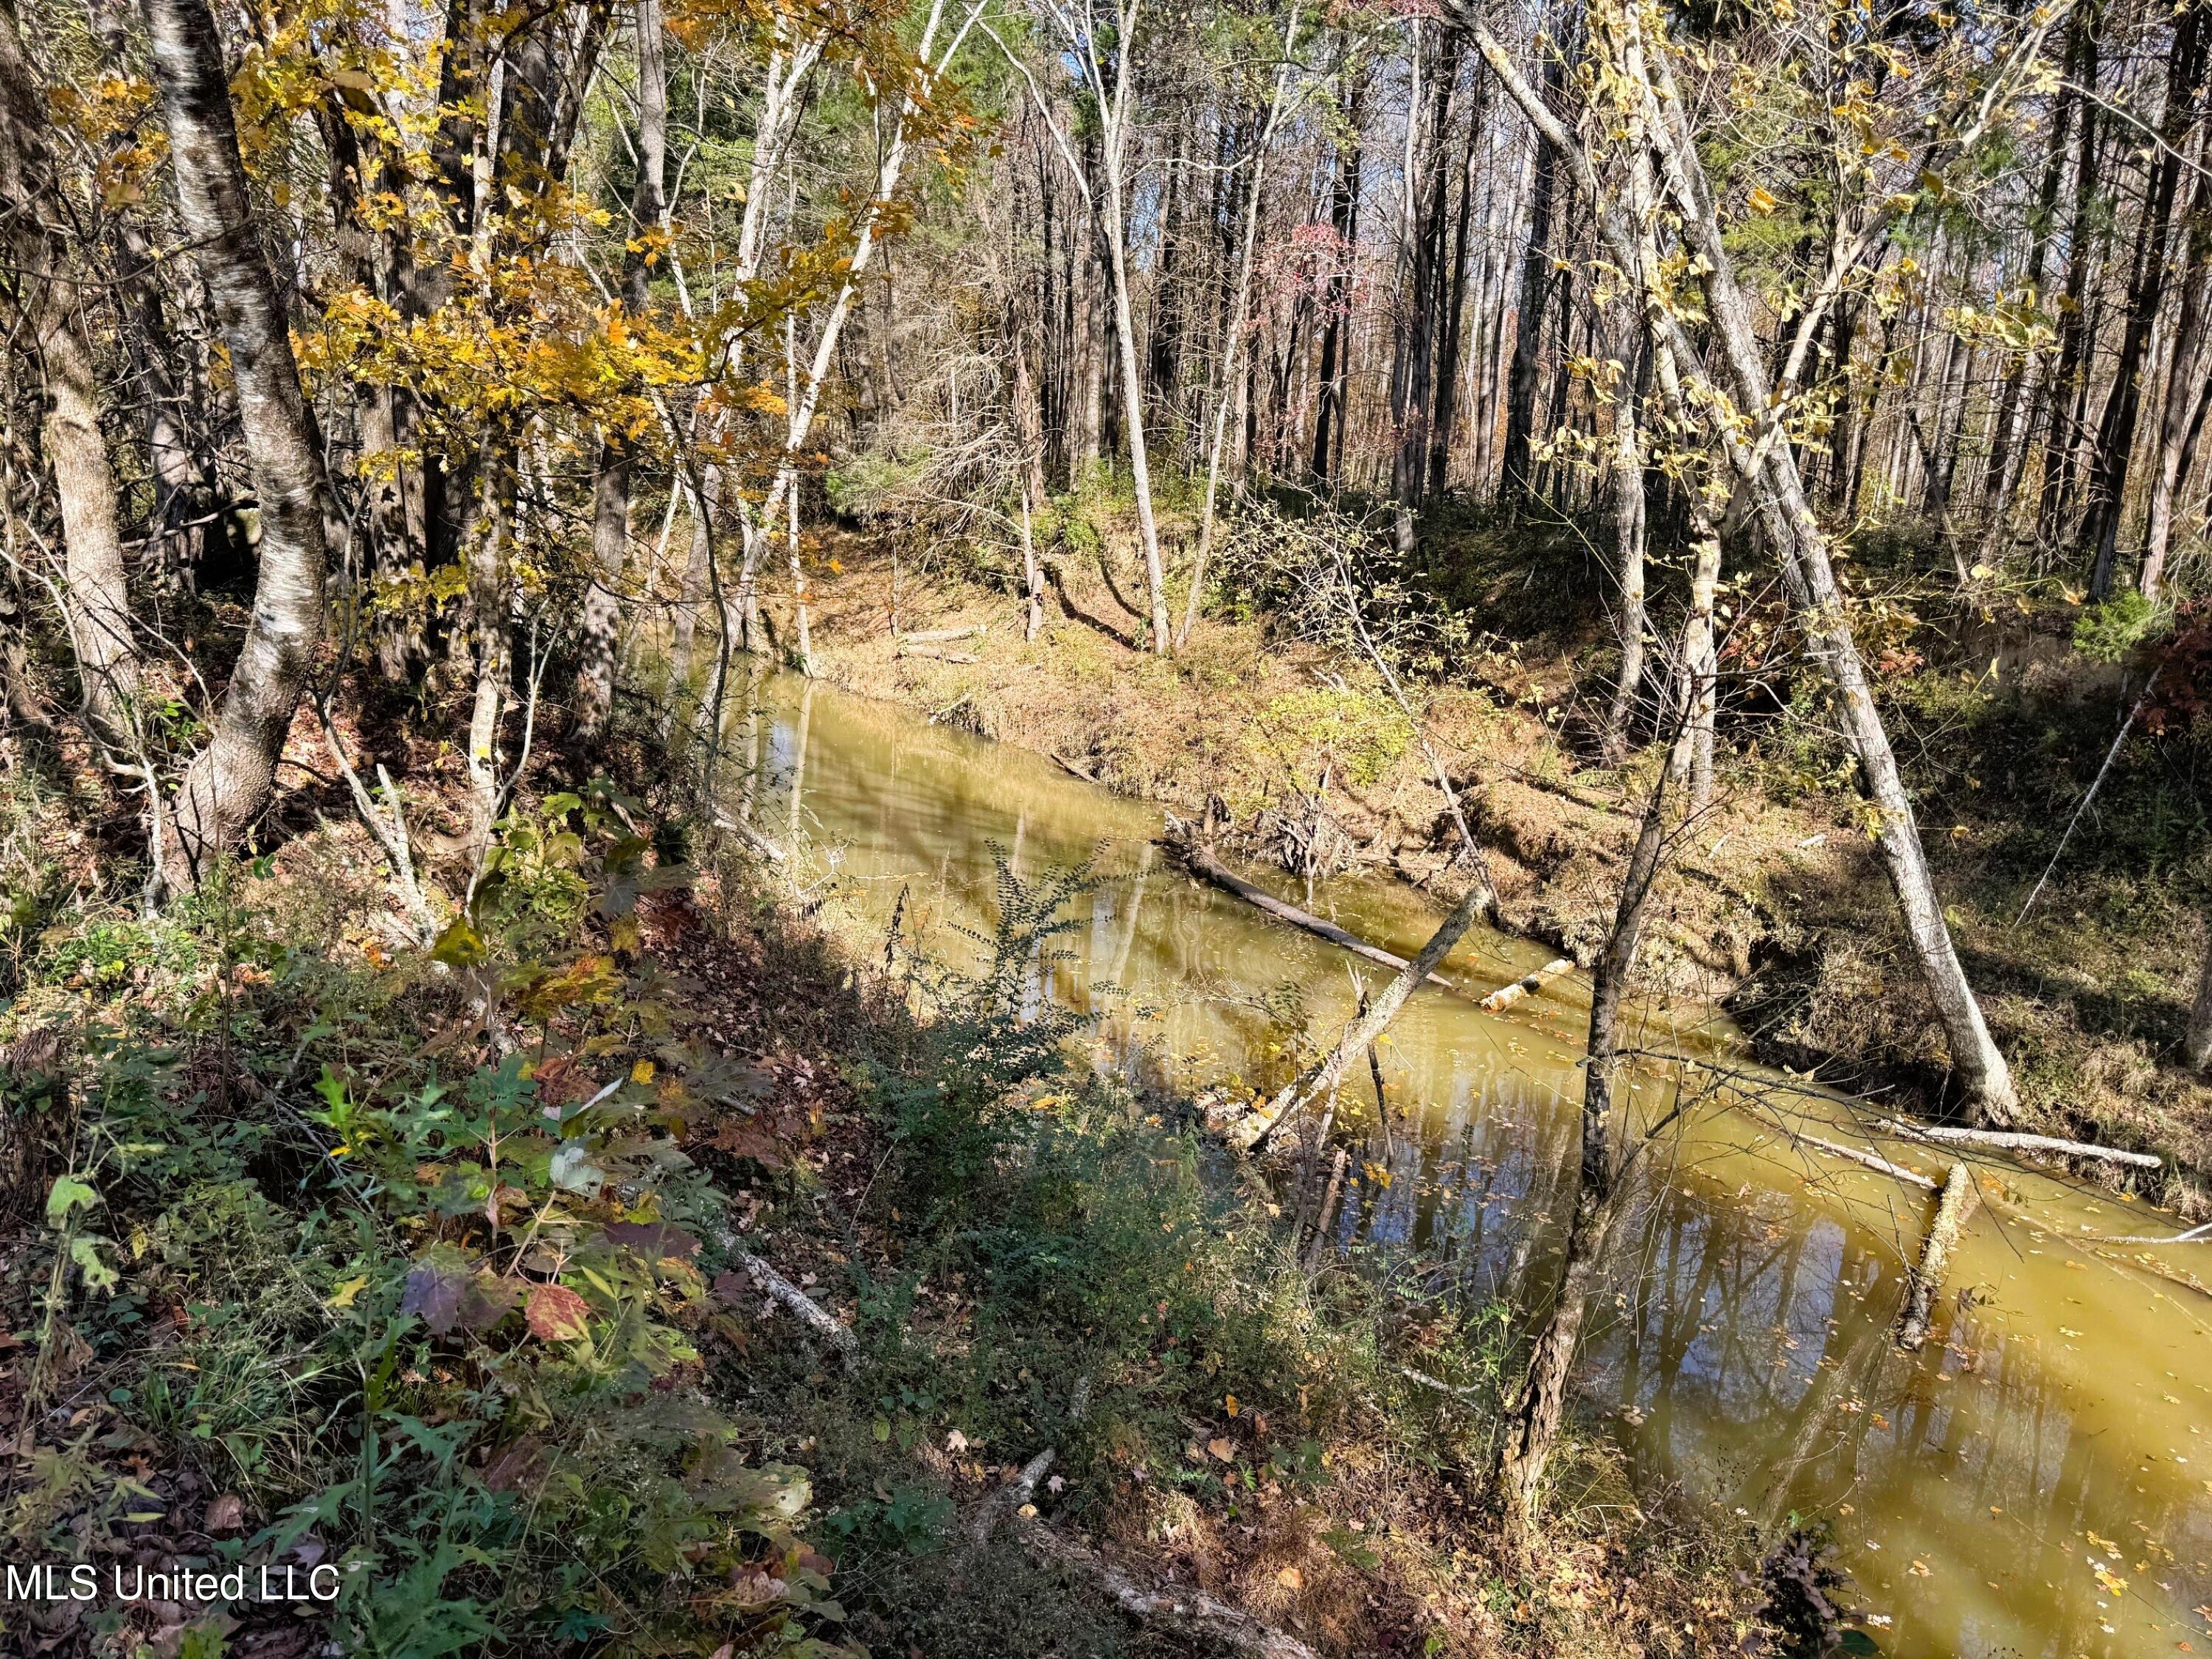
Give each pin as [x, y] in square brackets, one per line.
[2110, 755]
[1881, 1165]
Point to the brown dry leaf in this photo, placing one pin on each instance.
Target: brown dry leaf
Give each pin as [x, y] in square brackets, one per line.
[1222, 1448]
[1290, 1578]
[226, 1514]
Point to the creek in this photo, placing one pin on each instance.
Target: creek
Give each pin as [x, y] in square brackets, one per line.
[2036, 1481]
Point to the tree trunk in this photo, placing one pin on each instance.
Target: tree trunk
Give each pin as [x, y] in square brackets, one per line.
[1532, 1420]
[1628, 528]
[96, 602]
[2116, 432]
[1528, 322]
[1335, 352]
[2188, 385]
[229, 782]
[1768, 473]
[1233, 349]
[1133, 390]
[610, 494]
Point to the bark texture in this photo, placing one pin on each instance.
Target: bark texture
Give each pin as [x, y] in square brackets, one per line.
[228, 783]
[38, 240]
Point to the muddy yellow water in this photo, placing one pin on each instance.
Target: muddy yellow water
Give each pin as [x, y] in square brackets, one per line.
[2036, 1481]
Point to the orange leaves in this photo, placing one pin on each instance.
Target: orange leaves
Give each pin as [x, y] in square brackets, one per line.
[556, 1314]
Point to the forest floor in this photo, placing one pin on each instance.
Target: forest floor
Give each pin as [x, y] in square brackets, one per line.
[1782, 915]
[1028, 1256]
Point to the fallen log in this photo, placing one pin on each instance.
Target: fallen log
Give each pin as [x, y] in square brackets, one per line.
[1506, 995]
[1362, 1032]
[940, 636]
[1951, 1213]
[1203, 864]
[1179, 1609]
[752, 838]
[1881, 1165]
[1185, 1612]
[937, 654]
[2008, 1140]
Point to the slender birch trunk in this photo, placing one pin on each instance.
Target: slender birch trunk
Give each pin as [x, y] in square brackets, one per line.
[229, 782]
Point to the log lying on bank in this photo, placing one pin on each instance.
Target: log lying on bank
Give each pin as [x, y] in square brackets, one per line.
[2008, 1140]
[936, 654]
[1506, 995]
[752, 838]
[1203, 864]
[1182, 1611]
[1951, 1213]
[940, 636]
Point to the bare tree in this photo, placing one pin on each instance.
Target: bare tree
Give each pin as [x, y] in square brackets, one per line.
[649, 217]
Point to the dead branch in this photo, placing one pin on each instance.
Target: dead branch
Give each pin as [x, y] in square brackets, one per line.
[1203, 863]
[935, 653]
[1179, 1609]
[1506, 995]
[811, 1314]
[2010, 1140]
[1958, 1203]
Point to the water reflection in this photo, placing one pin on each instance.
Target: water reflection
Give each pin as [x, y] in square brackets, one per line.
[2036, 1481]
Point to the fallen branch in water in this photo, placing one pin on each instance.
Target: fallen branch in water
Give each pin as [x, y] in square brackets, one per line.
[2010, 1140]
[2195, 1236]
[1249, 1132]
[1951, 1213]
[1318, 1250]
[1881, 1165]
[1506, 995]
[1204, 864]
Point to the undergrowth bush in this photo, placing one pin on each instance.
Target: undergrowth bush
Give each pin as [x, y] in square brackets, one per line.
[393, 1265]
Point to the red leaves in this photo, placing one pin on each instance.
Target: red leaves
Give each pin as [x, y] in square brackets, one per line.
[557, 1314]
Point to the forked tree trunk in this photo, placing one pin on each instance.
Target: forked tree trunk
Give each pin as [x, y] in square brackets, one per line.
[1767, 472]
[96, 604]
[229, 781]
